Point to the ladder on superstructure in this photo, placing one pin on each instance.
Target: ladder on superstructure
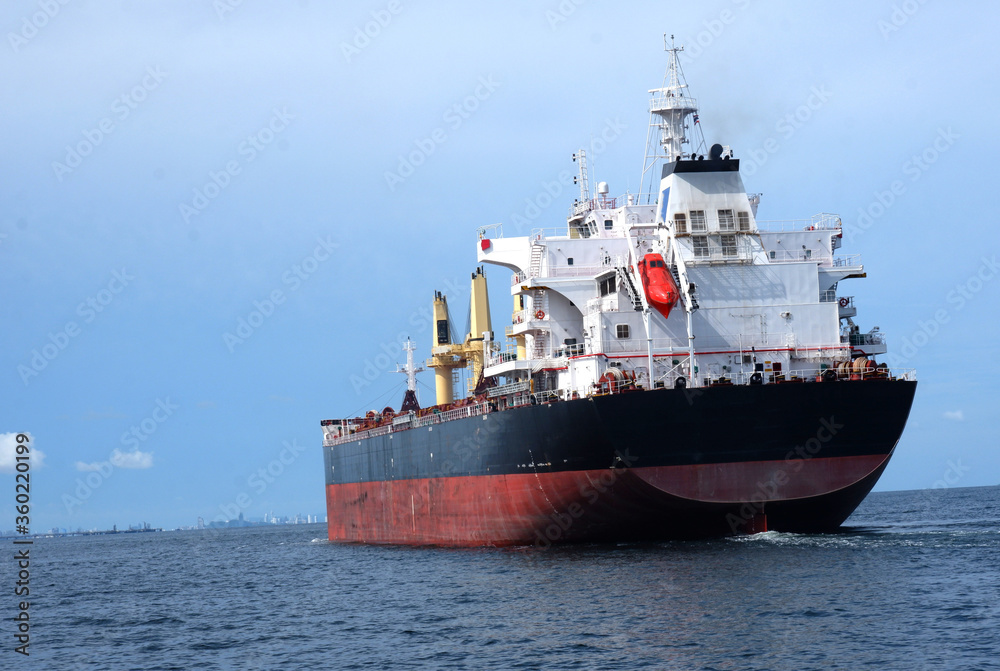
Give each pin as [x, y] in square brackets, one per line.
[625, 280]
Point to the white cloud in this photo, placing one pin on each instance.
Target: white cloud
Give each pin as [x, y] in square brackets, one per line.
[8, 452]
[118, 459]
[135, 459]
[954, 414]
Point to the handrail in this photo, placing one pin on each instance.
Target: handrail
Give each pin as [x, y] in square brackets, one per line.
[576, 271]
[668, 102]
[863, 339]
[822, 260]
[818, 222]
[416, 422]
[805, 375]
[496, 229]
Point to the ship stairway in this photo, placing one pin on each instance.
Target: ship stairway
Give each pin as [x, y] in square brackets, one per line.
[540, 301]
[625, 281]
[535, 267]
[677, 280]
[540, 349]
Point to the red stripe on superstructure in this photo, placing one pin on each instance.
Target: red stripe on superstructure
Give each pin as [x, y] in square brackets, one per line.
[684, 352]
[604, 504]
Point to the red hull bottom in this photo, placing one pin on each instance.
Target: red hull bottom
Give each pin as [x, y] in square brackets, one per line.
[658, 503]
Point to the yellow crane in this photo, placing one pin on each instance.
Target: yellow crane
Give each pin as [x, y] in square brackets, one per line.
[447, 356]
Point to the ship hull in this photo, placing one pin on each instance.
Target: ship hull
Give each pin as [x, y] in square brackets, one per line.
[644, 465]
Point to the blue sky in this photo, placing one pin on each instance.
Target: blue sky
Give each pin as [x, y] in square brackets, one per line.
[209, 236]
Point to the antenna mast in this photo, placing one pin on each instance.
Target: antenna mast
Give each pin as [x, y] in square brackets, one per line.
[410, 398]
[581, 158]
[669, 107]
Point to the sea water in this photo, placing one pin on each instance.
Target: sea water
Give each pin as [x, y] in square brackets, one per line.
[912, 582]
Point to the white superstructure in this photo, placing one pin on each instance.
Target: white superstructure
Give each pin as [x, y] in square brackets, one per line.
[755, 297]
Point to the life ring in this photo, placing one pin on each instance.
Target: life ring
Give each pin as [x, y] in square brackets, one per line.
[539, 314]
[844, 302]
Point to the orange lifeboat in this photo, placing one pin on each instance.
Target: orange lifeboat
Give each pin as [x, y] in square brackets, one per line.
[658, 284]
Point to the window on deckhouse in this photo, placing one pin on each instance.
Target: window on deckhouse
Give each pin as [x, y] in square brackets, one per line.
[743, 219]
[680, 223]
[700, 246]
[698, 221]
[726, 220]
[728, 245]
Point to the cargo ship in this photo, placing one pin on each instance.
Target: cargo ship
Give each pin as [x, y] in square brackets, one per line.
[673, 368]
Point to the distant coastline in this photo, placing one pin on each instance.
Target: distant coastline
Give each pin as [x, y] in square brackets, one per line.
[10, 533]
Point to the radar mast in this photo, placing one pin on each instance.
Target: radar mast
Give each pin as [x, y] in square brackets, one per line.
[669, 107]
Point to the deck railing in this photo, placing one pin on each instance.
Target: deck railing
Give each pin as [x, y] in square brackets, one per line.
[518, 395]
[414, 423]
[819, 222]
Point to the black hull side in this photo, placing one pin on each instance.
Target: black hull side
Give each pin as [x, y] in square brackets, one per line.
[666, 427]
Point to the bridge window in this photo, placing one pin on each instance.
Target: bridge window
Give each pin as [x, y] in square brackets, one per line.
[743, 218]
[698, 221]
[608, 224]
[726, 221]
[680, 223]
[728, 245]
[700, 243]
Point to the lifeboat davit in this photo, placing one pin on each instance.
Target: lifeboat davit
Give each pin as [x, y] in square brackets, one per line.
[658, 284]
